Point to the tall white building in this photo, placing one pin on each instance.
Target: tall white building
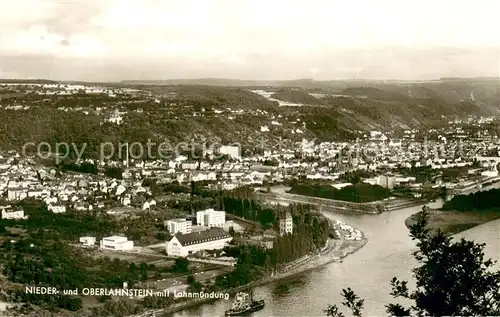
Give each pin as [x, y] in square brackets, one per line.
[186, 244]
[211, 218]
[286, 224]
[178, 225]
[232, 151]
[116, 243]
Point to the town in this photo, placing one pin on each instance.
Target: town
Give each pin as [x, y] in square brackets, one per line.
[237, 158]
[158, 205]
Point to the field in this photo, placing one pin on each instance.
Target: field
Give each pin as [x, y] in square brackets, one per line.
[159, 277]
[129, 257]
[201, 273]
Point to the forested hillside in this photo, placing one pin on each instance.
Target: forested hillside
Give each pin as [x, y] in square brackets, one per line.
[236, 114]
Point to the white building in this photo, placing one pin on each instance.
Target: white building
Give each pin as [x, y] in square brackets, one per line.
[57, 209]
[230, 150]
[186, 244]
[10, 214]
[116, 243]
[211, 218]
[179, 225]
[35, 193]
[286, 224]
[87, 241]
[490, 173]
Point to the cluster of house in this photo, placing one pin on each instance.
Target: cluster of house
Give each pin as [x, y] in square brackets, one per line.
[24, 179]
[249, 170]
[229, 174]
[74, 191]
[21, 178]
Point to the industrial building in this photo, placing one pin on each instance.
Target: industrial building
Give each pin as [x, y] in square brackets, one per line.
[186, 244]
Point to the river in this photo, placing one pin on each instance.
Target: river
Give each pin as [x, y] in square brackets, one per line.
[367, 272]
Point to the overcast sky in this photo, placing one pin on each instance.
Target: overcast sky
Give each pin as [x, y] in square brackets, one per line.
[285, 39]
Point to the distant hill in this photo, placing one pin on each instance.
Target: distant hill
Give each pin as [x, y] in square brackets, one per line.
[351, 105]
[221, 82]
[375, 93]
[236, 114]
[229, 109]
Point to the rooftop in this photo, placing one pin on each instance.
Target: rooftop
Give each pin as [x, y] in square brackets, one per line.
[115, 238]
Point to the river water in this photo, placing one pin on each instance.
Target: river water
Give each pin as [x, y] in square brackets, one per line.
[368, 271]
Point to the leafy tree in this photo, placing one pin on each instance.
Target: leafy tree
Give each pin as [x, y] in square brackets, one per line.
[452, 280]
[72, 304]
[194, 285]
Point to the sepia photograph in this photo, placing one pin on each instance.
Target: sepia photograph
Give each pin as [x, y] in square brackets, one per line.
[215, 158]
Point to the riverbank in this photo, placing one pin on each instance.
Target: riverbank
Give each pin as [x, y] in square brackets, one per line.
[452, 222]
[334, 251]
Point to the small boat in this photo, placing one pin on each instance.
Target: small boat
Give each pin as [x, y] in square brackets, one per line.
[243, 304]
